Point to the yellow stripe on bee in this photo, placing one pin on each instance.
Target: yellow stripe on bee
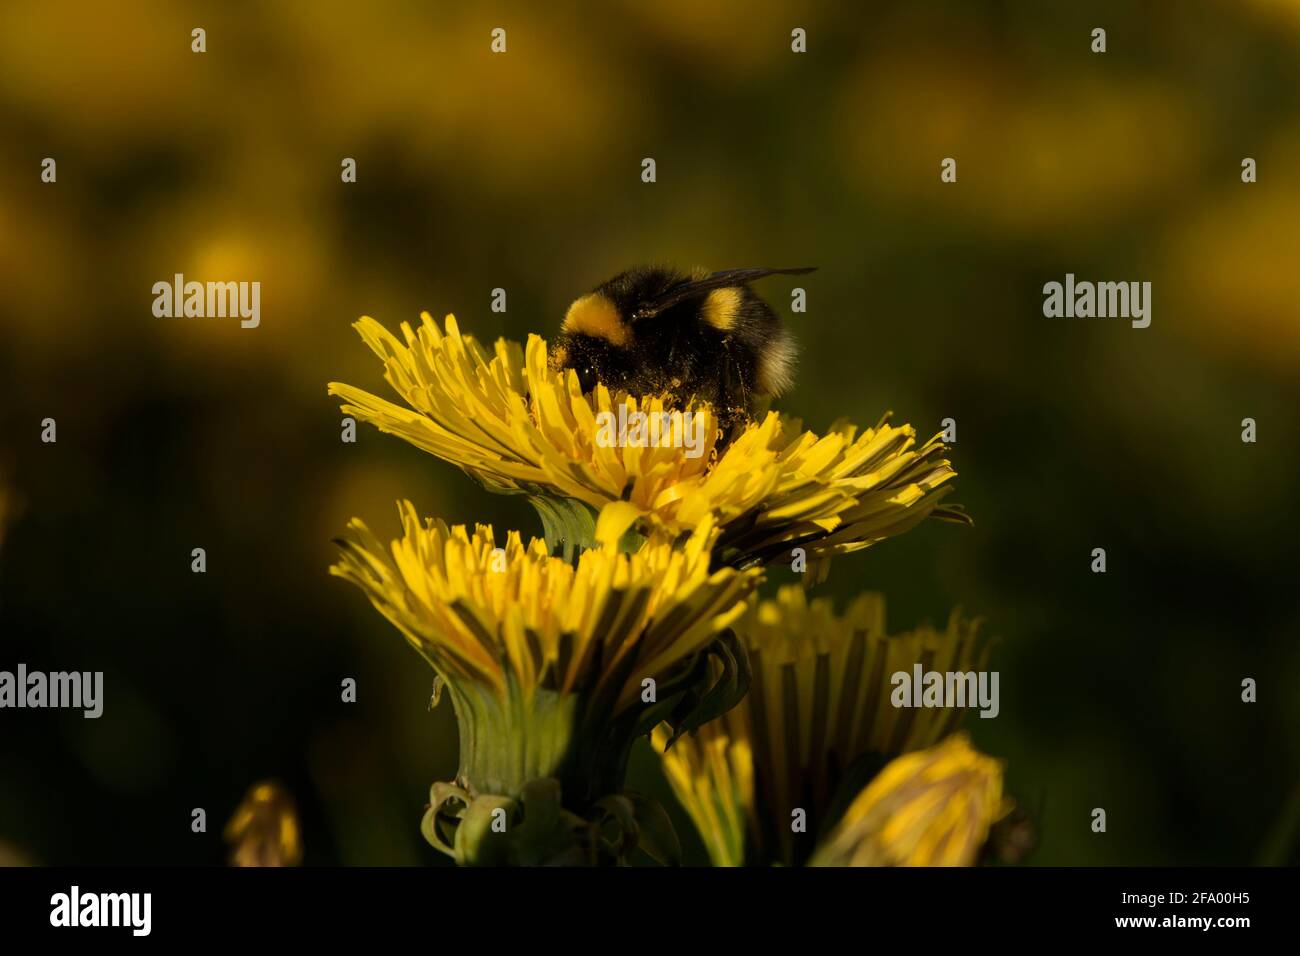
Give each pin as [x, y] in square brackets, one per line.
[721, 307]
[598, 317]
[776, 365]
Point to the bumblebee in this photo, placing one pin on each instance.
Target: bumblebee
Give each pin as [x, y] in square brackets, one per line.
[704, 337]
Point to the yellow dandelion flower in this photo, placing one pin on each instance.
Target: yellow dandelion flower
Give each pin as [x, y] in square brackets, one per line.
[553, 668]
[817, 719]
[264, 828]
[519, 426]
[713, 777]
[933, 807]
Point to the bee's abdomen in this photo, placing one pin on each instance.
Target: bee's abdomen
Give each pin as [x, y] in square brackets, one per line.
[758, 341]
[776, 360]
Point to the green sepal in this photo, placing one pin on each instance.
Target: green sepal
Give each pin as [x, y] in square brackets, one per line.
[726, 661]
[439, 823]
[620, 810]
[655, 833]
[569, 526]
[536, 829]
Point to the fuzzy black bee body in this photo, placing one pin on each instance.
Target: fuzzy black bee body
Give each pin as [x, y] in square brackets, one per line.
[705, 337]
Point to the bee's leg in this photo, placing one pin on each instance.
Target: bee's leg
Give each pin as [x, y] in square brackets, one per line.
[671, 375]
[741, 387]
[733, 401]
[726, 382]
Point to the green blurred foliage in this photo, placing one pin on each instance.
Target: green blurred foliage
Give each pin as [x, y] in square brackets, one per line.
[522, 171]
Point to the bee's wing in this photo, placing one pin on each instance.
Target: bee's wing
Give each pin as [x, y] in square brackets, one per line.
[718, 280]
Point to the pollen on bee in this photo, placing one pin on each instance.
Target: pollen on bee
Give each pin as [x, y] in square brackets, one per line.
[721, 307]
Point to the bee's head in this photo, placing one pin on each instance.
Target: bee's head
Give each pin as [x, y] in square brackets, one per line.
[594, 341]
